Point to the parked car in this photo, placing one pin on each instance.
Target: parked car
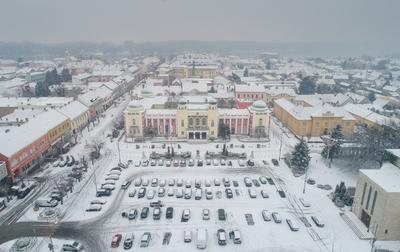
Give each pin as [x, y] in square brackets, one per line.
[126, 184]
[183, 163]
[187, 236]
[217, 182]
[144, 242]
[188, 193]
[250, 162]
[132, 214]
[116, 240]
[108, 187]
[317, 221]
[221, 235]
[197, 183]
[188, 184]
[226, 182]
[168, 163]
[98, 202]
[137, 163]
[200, 163]
[236, 236]
[208, 161]
[215, 162]
[160, 162]
[266, 216]
[75, 246]
[191, 162]
[252, 193]
[145, 182]
[206, 214]
[128, 242]
[171, 182]
[235, 183]
[154, 182]
[263, 180]
[221, 214]
[137, 181]
[305, 202]
[228, 193]
[207, 183]
[144, 213]
[103, 192]
[198, 194]
[132, 192]
[176, 163]
[150, 194]
[179, 182]
[161, 192]
[94, 208]
[185, 215]
[153, 162]
[264, 194]
[169, 213]
[277, 218]
[275, 162]
[292, 225]
[142, 192]
[156, 213]
[162, 183]
[209, 194]
[201, 238]
[248, 182]
[179, 193]
[170, 192]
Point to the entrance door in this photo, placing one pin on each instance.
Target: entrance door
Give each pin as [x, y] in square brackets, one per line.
[197, 135]
[190, 135]
[365, 218]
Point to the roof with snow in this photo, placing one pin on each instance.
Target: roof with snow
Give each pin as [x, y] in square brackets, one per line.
[387, 177]
[73, 110]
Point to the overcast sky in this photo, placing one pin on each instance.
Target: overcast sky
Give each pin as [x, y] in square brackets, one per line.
[159, 20]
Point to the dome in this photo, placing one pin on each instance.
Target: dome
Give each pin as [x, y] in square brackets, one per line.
[182, 101]
[259, 105]
[135, 105]
[212, 101]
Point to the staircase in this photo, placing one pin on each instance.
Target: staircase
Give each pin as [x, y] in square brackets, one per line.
[356, 225]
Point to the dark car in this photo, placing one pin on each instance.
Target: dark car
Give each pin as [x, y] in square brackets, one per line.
[128, 242]
[221, 214]
[256, 183]
[103, 192]
[235, 183]
[275, 162]
[229, 193]
[144, 213]
[250, 162]
[170, 213]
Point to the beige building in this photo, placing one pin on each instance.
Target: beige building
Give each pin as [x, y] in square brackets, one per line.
[313, 121]
[195, 118]
[77, 113]
[377, 201]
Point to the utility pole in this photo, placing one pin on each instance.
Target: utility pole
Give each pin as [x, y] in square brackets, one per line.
[305, 181]
[119, 152]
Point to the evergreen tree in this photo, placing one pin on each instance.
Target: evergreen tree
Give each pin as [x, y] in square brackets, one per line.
[65, 75]
[42, 90]
[332, 149]
[307, 85]
[246, 73]
[301, 156]
[371, 96]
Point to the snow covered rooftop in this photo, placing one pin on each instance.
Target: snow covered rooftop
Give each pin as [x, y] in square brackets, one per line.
[233, 112]
[19, 137]
[73, 110]
[321, 110]
[35, 101]
[361, 111]
[387, 177]
[246, 88]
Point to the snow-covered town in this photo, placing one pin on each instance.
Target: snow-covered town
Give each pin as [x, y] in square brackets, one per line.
[185, 146]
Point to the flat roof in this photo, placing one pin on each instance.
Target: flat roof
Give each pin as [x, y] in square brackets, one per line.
[387, 177]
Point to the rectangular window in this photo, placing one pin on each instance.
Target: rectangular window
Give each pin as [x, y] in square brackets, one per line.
[182, 123]
[369, 197]
[363, 194]
[373, 202]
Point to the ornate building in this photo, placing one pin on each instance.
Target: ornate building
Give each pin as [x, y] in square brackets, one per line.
[198, 119]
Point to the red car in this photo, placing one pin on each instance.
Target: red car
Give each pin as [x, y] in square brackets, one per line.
[116, 240]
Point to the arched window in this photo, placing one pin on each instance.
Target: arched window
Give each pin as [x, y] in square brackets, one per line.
[204, 121]
[197, 121]
[260, 121]
[133, 121]
[190, 121]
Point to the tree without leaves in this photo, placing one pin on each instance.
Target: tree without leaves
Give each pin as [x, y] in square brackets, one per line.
[301, 156]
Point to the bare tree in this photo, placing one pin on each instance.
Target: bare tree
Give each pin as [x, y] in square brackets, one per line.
[96, 145]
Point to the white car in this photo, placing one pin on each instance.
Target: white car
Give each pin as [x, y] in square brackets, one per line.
[264, 194]
[187, 236]
[209, 194]
[266, 215]
[215, 162]
[206, 214]
[171, 192]
[154, 182]
[179, 182]
[108, 187]
[305, 202]
[252, 193]
[217, 182]
[191, 162]
[207, 183]
[188, 184]
[137, 163]
[137, 181]
[168, 163]
[161, 192]
[150, 194]
[171, 182]
[132, 192]
[145, 182]
[162, 183]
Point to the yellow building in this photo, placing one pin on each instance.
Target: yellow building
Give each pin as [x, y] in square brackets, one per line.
[195, 118]
[187, 71]
[313, 121]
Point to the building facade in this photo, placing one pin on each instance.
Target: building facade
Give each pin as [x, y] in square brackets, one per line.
[195, 120]
[377, 201]
[313, 121]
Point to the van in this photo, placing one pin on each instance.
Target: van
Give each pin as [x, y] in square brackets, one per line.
[126, 184]
[144, 242]
[198, 194]
[201, 238]
[187, 236]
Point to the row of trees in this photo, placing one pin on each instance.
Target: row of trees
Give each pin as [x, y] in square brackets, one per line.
[52, 78]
